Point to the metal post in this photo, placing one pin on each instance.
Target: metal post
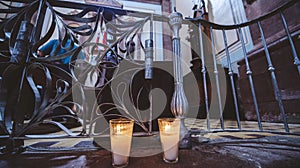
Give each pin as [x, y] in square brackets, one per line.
[249, 73]
[149, 70]
[273, 77]
[216, 72]
[179, 104]
[204, 71]
[20, 56]
[230, 73]
[296, 59]
[149, 53]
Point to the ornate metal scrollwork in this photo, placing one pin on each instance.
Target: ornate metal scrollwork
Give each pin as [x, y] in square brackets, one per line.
[45, 87]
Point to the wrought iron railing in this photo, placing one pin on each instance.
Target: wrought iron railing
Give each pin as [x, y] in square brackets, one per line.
[270, 67]
[35, 89]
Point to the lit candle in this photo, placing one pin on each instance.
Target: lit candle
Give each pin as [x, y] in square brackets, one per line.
[169, 135]
[120, 137]
[167, 128]
[118, 129]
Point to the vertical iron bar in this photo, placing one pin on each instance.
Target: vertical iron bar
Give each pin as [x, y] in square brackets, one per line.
[249, 73]
[296, 59]
[273, 77]
[150, 110]
[149, 70]
[20, 56]
[151, 27]
[203, 70]
[230, 73]
[150, 97]
[217, 77]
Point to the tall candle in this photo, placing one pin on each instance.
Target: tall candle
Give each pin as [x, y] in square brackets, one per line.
[120, 137]
[169, 129]
[120, 146]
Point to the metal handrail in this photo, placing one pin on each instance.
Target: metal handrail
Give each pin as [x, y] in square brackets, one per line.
[244, 24]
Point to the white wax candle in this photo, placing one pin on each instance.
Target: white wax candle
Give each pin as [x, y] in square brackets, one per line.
[120, 145]
[169, 136]
[171, 154]
[119, 159]
[170, 145]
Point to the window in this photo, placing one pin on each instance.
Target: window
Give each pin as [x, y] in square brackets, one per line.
[229, 12]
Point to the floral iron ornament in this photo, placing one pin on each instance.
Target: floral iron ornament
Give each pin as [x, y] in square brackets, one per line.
[36, 86]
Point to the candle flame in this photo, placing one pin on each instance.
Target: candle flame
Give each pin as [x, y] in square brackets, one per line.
[118, 129]
[167, 127]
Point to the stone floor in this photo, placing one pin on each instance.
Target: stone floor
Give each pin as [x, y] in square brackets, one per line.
[246, 148]
[249, 132]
